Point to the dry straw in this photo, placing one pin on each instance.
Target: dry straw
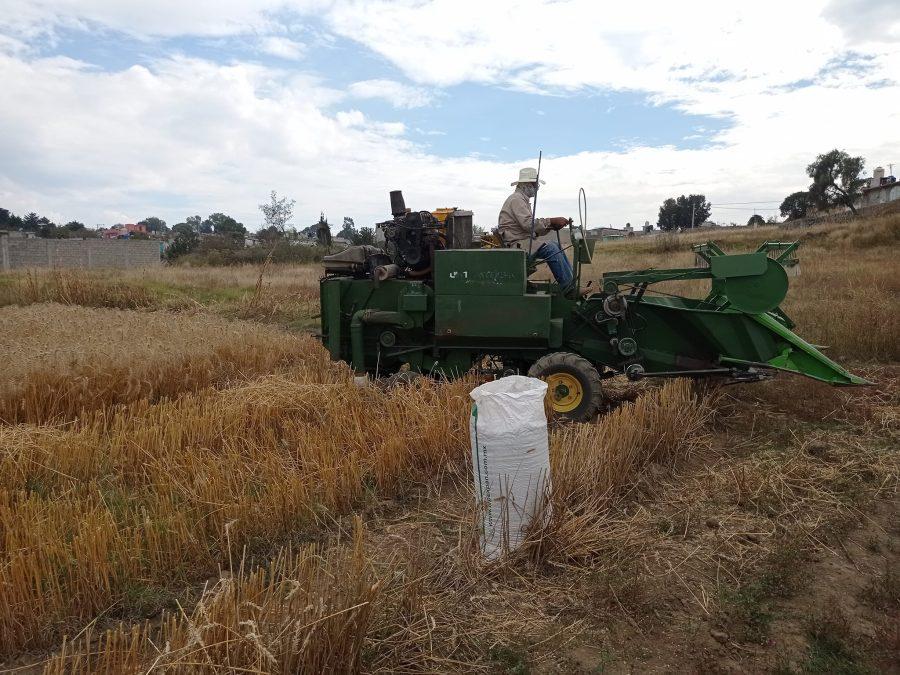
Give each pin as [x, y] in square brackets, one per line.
[164, 494]
[145, 494]
[74, 287]
[307, 612]
[64, 360]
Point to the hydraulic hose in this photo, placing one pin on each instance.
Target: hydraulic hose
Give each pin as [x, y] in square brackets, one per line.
[372, 316]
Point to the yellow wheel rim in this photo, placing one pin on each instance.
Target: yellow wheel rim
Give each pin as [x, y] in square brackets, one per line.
[565, 392]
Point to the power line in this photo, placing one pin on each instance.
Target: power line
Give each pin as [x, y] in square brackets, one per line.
[742, 203]
[746, 208]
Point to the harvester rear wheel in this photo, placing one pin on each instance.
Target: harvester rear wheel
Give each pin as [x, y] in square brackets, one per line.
[573, 385]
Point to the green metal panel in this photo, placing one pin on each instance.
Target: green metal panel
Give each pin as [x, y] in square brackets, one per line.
[556, 332]
[480, 272]
[801, 357]
[515, 317]
[330, 293]
[756, 293]
[585, 250]
[414, 299]
[739, 265]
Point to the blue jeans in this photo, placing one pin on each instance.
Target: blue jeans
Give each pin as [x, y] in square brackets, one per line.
[557, 262]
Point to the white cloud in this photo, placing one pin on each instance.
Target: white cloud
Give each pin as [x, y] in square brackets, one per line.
[867, 21]
[145, 19]
[94, 145]
[282, 47]
[396, 93]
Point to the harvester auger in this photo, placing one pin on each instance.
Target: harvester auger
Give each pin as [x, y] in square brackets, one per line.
[427, 302]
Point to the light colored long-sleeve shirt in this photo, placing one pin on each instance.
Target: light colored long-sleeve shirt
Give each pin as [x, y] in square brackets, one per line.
[514, 221]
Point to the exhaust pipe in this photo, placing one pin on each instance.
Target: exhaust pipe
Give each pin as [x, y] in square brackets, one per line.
[398, 205]
[384, 272]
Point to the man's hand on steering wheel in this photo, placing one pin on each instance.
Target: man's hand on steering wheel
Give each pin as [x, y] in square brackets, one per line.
[558, 222]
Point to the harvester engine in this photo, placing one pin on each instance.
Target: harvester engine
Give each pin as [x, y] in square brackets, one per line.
[411, 238]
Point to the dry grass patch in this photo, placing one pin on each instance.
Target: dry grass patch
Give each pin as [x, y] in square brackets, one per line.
[160, 496]
[306, 612]
[62, 361]
[73, 287]
[285, 294]
[163, 494]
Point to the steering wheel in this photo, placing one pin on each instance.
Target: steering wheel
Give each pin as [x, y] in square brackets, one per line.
[582, 217]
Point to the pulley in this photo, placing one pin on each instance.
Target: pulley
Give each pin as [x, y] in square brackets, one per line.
[615, 305]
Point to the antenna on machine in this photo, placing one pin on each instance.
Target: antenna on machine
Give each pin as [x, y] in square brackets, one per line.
[534, 206]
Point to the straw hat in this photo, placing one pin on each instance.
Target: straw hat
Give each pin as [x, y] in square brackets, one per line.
[527, 175]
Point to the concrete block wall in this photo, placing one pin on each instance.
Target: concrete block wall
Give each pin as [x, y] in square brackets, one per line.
[19, 253]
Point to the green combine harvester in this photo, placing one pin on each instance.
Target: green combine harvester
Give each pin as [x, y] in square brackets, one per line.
[427, 302]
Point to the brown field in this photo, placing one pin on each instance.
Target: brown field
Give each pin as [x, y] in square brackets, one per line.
[79, 359]
[187, 484]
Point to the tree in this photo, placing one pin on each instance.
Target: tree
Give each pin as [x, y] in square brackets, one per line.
[191, 223]
[277, 212]
[683, 212]
[836, 180]
[323, 231]
[9, 220]
[270, 234]
[47, 229]
[365, 235]
[224, 225]
[186, 240]
[348, 231]
[31, 222]
[74, 226]
[154, 225]
[756, 220]
[795, 205]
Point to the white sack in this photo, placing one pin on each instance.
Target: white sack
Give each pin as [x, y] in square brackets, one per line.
[510, 459]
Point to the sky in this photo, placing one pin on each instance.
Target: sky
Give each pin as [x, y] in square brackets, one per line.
[115, 110]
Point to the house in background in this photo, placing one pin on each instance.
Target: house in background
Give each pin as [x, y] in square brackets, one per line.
[609, 233]
[881, 189]
[123, 231]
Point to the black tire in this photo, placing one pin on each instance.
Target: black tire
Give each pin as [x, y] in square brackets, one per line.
[579, 368]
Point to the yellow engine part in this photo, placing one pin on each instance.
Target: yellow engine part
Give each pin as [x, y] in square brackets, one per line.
[442, 213]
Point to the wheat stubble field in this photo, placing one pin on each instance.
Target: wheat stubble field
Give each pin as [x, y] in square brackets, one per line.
[187, 484]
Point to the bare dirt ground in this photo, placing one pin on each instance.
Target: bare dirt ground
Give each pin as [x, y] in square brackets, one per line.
[843, 589]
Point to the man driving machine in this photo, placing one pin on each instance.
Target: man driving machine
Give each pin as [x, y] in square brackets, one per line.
[514, 225]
